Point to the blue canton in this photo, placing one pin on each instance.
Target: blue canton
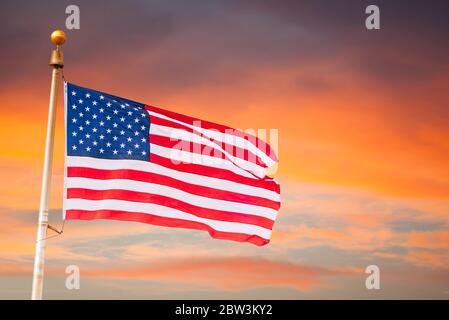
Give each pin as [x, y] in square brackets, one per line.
[103, 126]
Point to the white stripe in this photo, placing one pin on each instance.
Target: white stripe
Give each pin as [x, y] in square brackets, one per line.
[154, 188]
[223, 137]
[216, 183]
[183, 135]
[154, 209]
[180, 156]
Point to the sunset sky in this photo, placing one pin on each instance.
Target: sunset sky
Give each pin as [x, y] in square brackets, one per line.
[363, 144]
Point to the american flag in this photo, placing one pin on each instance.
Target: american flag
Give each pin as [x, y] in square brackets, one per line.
[134, 162]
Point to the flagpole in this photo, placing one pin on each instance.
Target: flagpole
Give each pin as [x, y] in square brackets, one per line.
[56, 62]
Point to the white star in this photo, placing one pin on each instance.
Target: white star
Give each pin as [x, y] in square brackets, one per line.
[73, 120]
[136, 146]
[101, 123]
[94, 130]
[74, 147]
[115, 125]
[81, 141]
[74, 133]
[94, 103]
[143, 115]
[122, 106]
[115, 138]
[101, 110]
[73, 93]
[108, 118]
[144, 153]
[122, 145]
[81, 128]
[88, 149]
[129, 126]
[95, 143]
[115, 151]
[94, 116]
[73, 107]
[129, 139]
[87, 109]
[81, 114]
[130, 152]
[136, 120]
[108, 130]
[101, 137]
[122, 132]
[115, 111]
[101, 150]
[80, 101]
[108, 144]
[143, 140]
[87, 95]
[101, 97]
[122, 119]
[142, 127]
[130, 113]
[87, 135]
[108, 104]
[136, 133]
[87, 122]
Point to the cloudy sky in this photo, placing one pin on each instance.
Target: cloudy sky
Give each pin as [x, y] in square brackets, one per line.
[363, 144]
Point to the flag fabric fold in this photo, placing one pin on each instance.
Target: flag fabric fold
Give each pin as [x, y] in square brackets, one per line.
[134, 162]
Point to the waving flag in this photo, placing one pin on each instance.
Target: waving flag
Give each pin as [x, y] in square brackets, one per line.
[134, 162]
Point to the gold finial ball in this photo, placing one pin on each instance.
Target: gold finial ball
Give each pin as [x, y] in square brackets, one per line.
[58, 37]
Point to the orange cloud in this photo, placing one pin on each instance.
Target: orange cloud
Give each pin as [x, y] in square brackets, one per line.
[431, 240]
[349, 238]
[429, 259]
[227, 273]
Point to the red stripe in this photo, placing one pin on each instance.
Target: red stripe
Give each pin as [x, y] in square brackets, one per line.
[152, 177]
[163, 221]
[266, 183]
[236, 151]
[263, 146]
[126, 195]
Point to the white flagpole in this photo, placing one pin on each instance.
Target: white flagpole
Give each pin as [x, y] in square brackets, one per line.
[56, 62]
